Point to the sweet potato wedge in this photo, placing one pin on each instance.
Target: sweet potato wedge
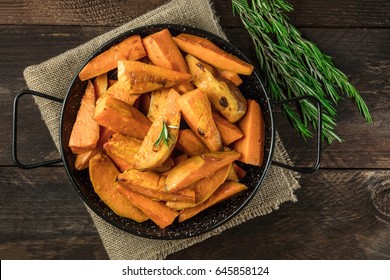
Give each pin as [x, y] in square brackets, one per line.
[207, 51]
[196, 168]
[190, 144]
[121, 91]
[101, 84]
[223, 94]
[196, 110]
[157, 211]
[85, 131]
[121, 117]
[229, 132]
[82, 160]
[141, 77]
[158, 99]
[151, 184]
[226, 190]
[163, 51]
[231, 76]
[129, 49]
[204, 188]
[154, 152]
[103, 173]
[232, 176]
[122, 149]
[251, 145]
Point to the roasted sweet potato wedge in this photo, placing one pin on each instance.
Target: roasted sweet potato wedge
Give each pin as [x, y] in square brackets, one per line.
[163, 51]
[85, 131]
[162, 135]
[226, 190]
[229, 131]
[141, 77]
[129, 49]
[121, 91]
[121, 117]
[122, 149]
[204, 188]
[196, 110]
[196, 168]
[151, 184]
[158, 99]
[101, 84]
[82, 160]
[251, 145]
[231, 76]
[207, 51]
[157, 211]
[103, 173]
[190, 144]
[223, 94]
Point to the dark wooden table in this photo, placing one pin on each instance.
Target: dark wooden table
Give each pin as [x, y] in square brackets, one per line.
[343, 210]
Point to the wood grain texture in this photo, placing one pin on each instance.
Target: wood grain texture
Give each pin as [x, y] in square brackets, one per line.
[73, 12]
[308, 13]
[43, 217]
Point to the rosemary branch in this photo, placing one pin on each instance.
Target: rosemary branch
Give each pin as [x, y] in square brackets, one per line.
[165, 136]
[294, 66]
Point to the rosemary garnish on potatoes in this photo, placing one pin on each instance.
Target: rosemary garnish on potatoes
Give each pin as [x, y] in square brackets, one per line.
[165, 135]
[294, 66]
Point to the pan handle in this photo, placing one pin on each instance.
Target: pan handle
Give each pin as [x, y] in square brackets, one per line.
[15, 128]
[316, 164]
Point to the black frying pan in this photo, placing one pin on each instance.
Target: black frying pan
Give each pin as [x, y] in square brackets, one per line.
[252, 88]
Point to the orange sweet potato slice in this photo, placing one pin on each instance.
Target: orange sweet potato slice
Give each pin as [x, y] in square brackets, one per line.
[231, 76]
[103, 173]
[157, 211]
[129, 49]
[121, 117]
[196, 110]
[121, 91]
[85, 131]
[229, 132]
[204, 188]
[251, 145]
[190, 144]
[82, 160]
[153, 152]
[151, 184]
[158, 99]
[141, 77]
[226, 190]
[207, 51]
[163, 51]
[196, 168]
[101, 84]
[223, 94]
[122, 149]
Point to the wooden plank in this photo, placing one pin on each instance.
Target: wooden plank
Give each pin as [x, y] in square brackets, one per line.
[43, 217]
[332, 13]
[335, 217]
[308, 13]
[73, 12]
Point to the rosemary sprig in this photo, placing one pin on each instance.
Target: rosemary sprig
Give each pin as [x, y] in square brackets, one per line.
[165, 136]
[294, 66]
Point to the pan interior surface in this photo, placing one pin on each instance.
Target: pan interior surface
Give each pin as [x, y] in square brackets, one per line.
[252, 88]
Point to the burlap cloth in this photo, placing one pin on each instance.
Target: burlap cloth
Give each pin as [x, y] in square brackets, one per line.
[54, 76]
